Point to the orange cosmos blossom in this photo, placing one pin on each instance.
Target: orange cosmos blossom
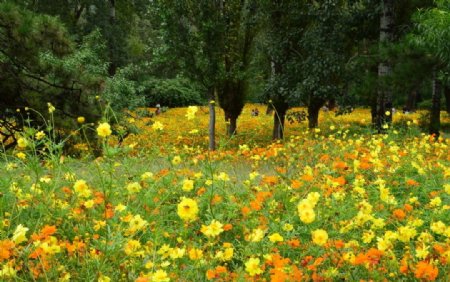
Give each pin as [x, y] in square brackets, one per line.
[426, 271]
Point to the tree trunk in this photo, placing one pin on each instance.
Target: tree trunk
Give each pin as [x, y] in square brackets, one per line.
[212, 122]
[435, 117]
[412, 101]
[447, 98]
[384, 98]
[231, 122]
[313, 112]
[331, 105]
[279, 117]
[111, 42]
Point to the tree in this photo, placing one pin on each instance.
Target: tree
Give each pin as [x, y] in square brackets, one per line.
[39, 65]
[384, 97]
[308, 49]
[432, 34]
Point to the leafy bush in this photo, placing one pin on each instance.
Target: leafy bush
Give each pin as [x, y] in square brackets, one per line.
[173, 92]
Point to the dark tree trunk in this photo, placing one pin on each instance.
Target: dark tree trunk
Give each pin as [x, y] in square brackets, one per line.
[384, 98]
[279, 116]
[411, 103]
[435, 114]
[231, 122]
[447, 98]
[212, 121]
[112, 41]
[313, 112]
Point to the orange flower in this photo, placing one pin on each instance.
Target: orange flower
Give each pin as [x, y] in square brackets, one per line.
[412, 182]
[426, 271]
[408, 207]
[295, 184]
[227, 227]
[245, 211]
[399, 214]
[270, 180]
[6, 249]
[340, 165]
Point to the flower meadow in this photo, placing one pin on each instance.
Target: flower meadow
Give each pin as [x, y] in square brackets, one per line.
[335, 203]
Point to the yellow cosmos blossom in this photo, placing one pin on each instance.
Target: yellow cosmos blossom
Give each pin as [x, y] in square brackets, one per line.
[213, 229]
[319, 237]
[188, 209]
[307, 216]
[157, 126]
[103, 278]
[19, 235]
[191, 110]
[160, 276]
[104, 130]
[195, 254]
[256, 235]
[176, 160]
[252, 266]
[276, 237]
[133, 248]
[82, 189]
[21, 155]
[81, 120]
[22, 143]
[134, 187]
[7, 271]
[51, 108]
[188, 185]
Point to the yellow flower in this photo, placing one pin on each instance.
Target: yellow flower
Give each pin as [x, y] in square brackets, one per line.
[188, 185]
[89, 204]
[256, 235]
[319, 237]
[213, 229]
[187, 209]
[191, 110]
[146, 175]
[276, 237]
[120, 208]
[368, 236]
[307, 216]
[134, 187]
[19, 235]
[436, 202]
[176, 160]
[252, 266]
[7, 271]
[136, 224]
[157, 126]
[81, 120]
[21, 155]
[288, 227]
[51, 108]
[39, 135]
[132, 248]
[447, 188]
[22, 143]
[195, 254]
[104, 129]
[406, 233]
[82, 189]
[103, 278]
[160, 276]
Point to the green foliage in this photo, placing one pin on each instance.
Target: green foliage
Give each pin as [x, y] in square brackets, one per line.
[174, 92]
[40, 64]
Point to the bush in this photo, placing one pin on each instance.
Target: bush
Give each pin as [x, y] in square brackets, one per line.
[173, 92]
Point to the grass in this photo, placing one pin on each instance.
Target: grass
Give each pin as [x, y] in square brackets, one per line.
[337, 203]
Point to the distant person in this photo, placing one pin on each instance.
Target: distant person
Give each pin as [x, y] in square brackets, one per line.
[158, 109]
[255, 112]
